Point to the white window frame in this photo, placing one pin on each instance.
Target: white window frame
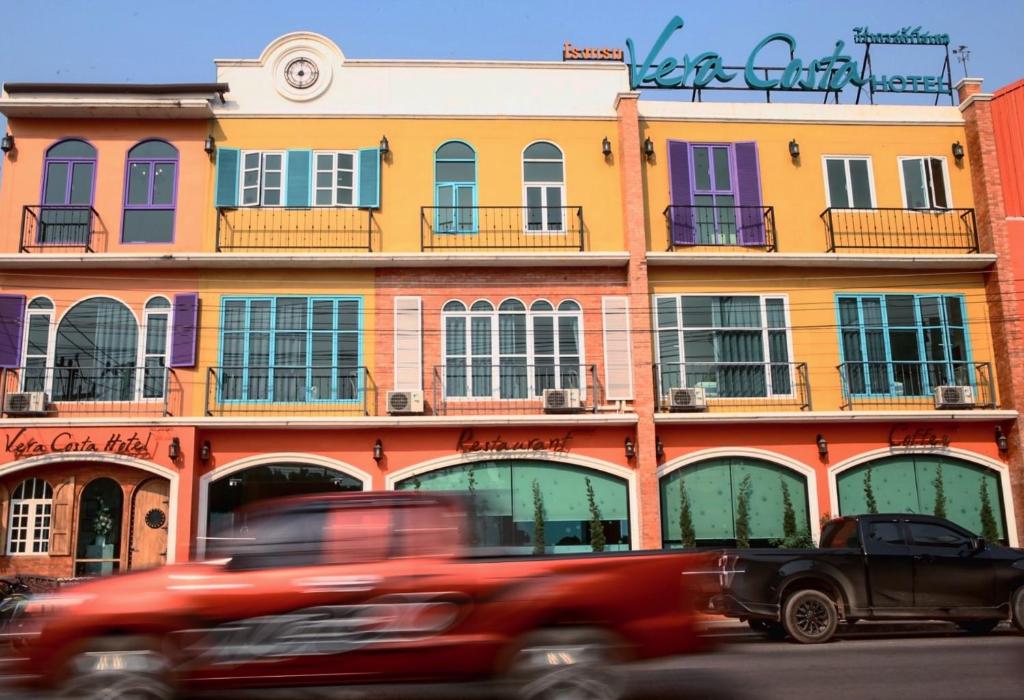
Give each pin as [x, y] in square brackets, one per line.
[50, 333]
[260, 178]
[32, 507]
[544, 186]
[926, 175]
[334, 178]
[849, 180]
[143, 355]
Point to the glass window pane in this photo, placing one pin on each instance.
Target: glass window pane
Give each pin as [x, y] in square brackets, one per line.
[290, 349]
[899, 309]
[455, 172]
[697, 312]
[568, 335]
[153, 149]
[954, 311]
[148, 226]
[776, 313]
[156, 334]
[914, 184]
[938, 180]
[860, 183]
[163, 183]
[930, 311]
[259, 315]
[81, 183]
[512, 334]
[56, 183]
[666, 310]
[323, 198]
[722, 179]
[702, 169]
[323, 315]
[848, 313]
[348, 315]
[534, 171]
[272, 198]
[138, 183]
[345, 161]
[543, 150]
[455, 149]
[544, 335]
[455, 336]
[252, 160]
[835, 169]
[72, 148]
[291, 313]
[272, 161]
[480, 337]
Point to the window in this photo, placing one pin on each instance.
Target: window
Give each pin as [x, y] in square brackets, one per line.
[68, 179]
[39, 324]
[840, 534]
[937, 535]
[730, 346]
[455, 188]
[925, 185]
[291, 349]
[96, 353]
[886, 533]
[335, 184]
[157, 324]
[903, 344]
[536, 350]
[849, 182]
[262, 178]
[31, 510]
[150, 193]
[713, 194]
[544, 183]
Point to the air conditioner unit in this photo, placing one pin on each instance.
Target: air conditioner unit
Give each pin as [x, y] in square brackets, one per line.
[405, 402]
[680, 399]
[562, 401]
[954, 397]
[25, 403]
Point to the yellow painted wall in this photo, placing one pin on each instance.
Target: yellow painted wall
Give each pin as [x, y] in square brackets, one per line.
[407, 174]
[797, 189]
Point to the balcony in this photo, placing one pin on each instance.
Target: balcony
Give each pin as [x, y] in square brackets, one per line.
[502, 228]
[62, 227]
[732, 386]
[509, 387]
[256, 229]
[912, 385]
[888, 229]
[694, 226]
[297, 391]
[105, 391]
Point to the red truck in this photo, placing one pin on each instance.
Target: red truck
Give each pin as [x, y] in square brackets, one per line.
[348, 589]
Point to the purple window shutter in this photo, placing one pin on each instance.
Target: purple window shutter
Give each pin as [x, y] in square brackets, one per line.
[184, 330]
[748, 187]
[12, 319]
[681, 220]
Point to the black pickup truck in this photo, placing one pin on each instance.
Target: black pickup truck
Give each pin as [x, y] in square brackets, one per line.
[873, 567]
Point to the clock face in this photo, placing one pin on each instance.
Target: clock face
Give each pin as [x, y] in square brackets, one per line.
[301, 73]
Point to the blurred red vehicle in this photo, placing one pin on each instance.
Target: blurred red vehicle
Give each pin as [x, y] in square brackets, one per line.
[363, 588]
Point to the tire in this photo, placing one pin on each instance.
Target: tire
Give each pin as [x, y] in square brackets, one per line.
[127, 668]
[977, 627]
[769, 629]
[810, 617]
[1017, 609]
[567, 663]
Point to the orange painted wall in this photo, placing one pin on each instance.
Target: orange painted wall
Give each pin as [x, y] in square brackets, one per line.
[1007, 118]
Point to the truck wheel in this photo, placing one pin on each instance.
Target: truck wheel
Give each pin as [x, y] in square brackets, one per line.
[977, 626]
[768, 628]
[1017, 608]
[130, 668]
[567, 663]
[810, 617]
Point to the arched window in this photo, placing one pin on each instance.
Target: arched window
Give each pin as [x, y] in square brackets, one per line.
[69, 173]
[157, 324]
[98, 545]
[31, 511]
[455, 188]
[39, 322]
[150, 193]
[544, 187]
[96, 352]
[556, 346]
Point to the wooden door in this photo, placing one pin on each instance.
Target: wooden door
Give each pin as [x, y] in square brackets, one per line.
[150, 515]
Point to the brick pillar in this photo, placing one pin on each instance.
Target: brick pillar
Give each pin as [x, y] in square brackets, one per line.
[633, 222]
[1000, 288]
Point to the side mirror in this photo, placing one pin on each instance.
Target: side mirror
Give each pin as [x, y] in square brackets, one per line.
[978, 544]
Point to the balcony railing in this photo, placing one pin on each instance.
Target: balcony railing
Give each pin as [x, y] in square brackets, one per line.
[735, 386]
[120, 391]
[511, 387]
[887, 385]
[690, 226]
[248, 229]
[298, 391]
[501, 228]
[900, 229]
[58, 226]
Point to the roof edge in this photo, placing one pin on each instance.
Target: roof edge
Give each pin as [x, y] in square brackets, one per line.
[116, 88]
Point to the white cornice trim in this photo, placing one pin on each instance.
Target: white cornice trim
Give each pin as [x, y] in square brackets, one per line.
[325, 423]
[134, 107]
[976, 97]
[956, 261]
[977, 416]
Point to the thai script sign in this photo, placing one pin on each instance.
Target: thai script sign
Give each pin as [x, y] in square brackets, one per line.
[132, 445]
[577, 53]
[909, 36]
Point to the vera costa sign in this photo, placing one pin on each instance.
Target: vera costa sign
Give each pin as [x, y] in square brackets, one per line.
[831, 73]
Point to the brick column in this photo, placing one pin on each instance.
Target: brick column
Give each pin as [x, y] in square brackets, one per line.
[1000, 288]
[634, 229]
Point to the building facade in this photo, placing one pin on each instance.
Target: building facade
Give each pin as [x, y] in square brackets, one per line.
[516, 278]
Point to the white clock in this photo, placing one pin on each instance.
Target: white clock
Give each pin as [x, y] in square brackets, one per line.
[301, 73]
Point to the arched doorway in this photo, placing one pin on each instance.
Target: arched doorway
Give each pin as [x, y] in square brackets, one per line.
[148, 534]
[507, 509]
[713, 489]
[908, 484]
[100, 515]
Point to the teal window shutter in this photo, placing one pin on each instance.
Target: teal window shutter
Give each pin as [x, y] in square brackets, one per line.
[300, 164]
[226, 189]
[369, 178]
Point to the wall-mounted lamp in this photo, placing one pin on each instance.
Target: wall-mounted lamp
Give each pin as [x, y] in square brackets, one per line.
[385, 147]
[958, 151]
[7, 143]
[822, 445]
[210, 145]
[205, 451]
[378, 451]
[1001, 441]
[630, 449]
[794, 149]
[174, 449]
[659, 448]
[606, 147]
[648, 148]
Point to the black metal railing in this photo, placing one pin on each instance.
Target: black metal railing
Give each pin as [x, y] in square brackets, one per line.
[298, 391]
[886, 385]
[58, 226]
[285, 228]
[513, 387]
[734, 386]
[690, 226]
[900, 229]
[89, 391]
[502, 228]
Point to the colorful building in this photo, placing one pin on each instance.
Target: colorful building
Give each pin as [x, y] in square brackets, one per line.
[517, 278]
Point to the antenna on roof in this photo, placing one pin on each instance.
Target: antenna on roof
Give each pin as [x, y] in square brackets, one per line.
[962, 53]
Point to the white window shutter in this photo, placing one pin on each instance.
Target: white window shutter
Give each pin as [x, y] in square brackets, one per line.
[408, 344]
[618, 362]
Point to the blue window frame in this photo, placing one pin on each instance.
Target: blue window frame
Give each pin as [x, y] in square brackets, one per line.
[455, 188]
[902, 344]
[291, 349]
